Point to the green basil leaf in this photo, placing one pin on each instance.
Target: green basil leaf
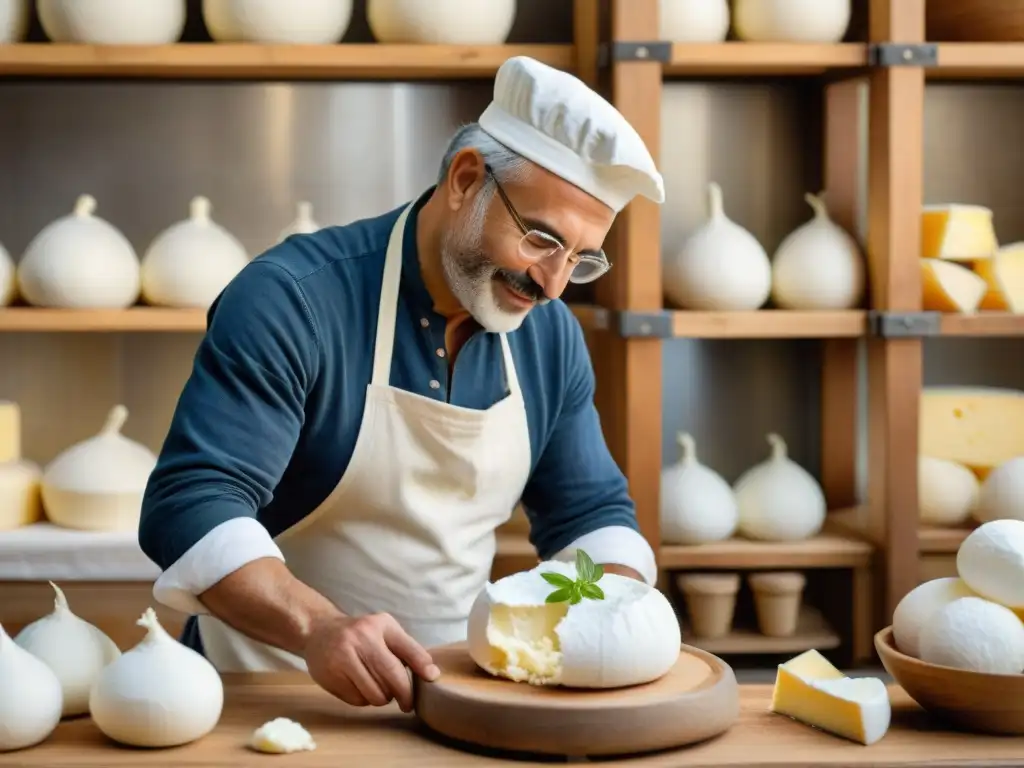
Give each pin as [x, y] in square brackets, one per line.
[598, 573]
[575, 597]
[584, 566]
[556, 579]
[592, 591]
[559, 595]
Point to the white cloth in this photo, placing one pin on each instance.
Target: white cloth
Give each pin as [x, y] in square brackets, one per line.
[552, 118]
[46, 552]
[409, 529]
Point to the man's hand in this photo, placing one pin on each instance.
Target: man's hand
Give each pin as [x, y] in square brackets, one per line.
[622, 570]
[363, 660]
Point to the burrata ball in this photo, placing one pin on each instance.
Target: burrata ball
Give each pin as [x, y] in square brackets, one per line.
[974, 634]
[991, 562]
[917, 607]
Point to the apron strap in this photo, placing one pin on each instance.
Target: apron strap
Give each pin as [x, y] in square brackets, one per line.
[388, 309]
[511, 378]
[387, 313]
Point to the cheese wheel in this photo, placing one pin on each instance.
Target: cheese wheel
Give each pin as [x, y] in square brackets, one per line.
[10, 431]
[19, 494]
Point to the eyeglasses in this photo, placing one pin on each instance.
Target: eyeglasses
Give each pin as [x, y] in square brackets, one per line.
[537, 246]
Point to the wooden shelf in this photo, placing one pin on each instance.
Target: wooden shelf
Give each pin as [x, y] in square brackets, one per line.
[828, 550]
[981, 61]
[760, 324]
[764, 59]
[135, 319]
[940, 541]
[812, 631]
[768, 324]
[982, 324]
[218, 61]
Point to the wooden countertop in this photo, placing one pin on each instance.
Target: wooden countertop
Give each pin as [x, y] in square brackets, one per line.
[385, 738]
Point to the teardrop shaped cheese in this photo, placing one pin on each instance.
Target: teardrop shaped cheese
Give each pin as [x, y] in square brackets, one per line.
[949, 287]
[630, 637]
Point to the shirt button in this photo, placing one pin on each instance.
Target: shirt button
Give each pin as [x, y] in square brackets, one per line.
[435, 384]
[424, 323]
[440, 353]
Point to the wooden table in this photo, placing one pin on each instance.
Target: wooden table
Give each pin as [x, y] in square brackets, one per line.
[385, 738]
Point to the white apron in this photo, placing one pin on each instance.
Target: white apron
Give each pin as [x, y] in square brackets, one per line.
[409, 530]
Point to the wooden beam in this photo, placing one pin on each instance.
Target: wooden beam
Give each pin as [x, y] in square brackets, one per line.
[839, 391]
[629, 370]
[587, 38]
[894, 209]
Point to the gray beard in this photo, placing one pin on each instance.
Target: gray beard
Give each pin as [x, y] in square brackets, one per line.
[471, 275]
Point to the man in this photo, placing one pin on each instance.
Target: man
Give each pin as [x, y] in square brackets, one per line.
[371, 401]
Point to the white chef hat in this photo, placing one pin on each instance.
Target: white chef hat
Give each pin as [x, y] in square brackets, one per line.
[552, 118]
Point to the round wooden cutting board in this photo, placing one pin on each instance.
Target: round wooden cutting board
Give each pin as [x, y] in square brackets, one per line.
[696, 700]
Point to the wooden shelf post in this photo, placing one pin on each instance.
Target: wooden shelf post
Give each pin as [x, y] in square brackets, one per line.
[896, 122]
[629, 369]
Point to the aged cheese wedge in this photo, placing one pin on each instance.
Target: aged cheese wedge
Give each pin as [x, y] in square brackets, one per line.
[979, 427]
[809, 689]
[20, 502]
[949, 287]
[10, 431]
[957, 232]
[1004, 278]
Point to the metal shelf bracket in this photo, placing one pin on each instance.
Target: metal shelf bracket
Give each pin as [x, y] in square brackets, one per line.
[634, 50]
[903, 54]
[651, 325]
[905, 325]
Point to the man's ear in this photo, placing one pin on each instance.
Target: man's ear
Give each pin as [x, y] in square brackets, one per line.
[465, 177]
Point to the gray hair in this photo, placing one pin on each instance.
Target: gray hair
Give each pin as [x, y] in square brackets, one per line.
[507, 166]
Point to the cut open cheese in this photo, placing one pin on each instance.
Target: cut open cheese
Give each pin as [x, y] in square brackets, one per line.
[628, 637]
[809, 689]
[979, 427]
[950, 287]
[957, 232]
[1004, 278]
[10, 431]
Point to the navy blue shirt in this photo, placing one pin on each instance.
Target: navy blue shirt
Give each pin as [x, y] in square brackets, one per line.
[267, 422]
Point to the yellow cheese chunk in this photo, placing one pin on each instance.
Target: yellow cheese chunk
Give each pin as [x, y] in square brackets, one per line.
[957, 232]
[20, 499]
[524, 644]
[950, 287]
[10, 431]
[1004, 278]
[809, 689]
[979, 427]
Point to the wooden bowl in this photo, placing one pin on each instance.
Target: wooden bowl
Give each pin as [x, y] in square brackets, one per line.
[970, 701]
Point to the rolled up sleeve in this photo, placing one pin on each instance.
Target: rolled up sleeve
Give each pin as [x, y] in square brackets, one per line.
[231, 438]
[577, 497]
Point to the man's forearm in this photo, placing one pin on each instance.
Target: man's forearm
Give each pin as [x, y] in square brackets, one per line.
[265, 602]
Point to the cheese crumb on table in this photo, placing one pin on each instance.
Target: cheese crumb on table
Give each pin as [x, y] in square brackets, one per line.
[282, 736]
[809, 689]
